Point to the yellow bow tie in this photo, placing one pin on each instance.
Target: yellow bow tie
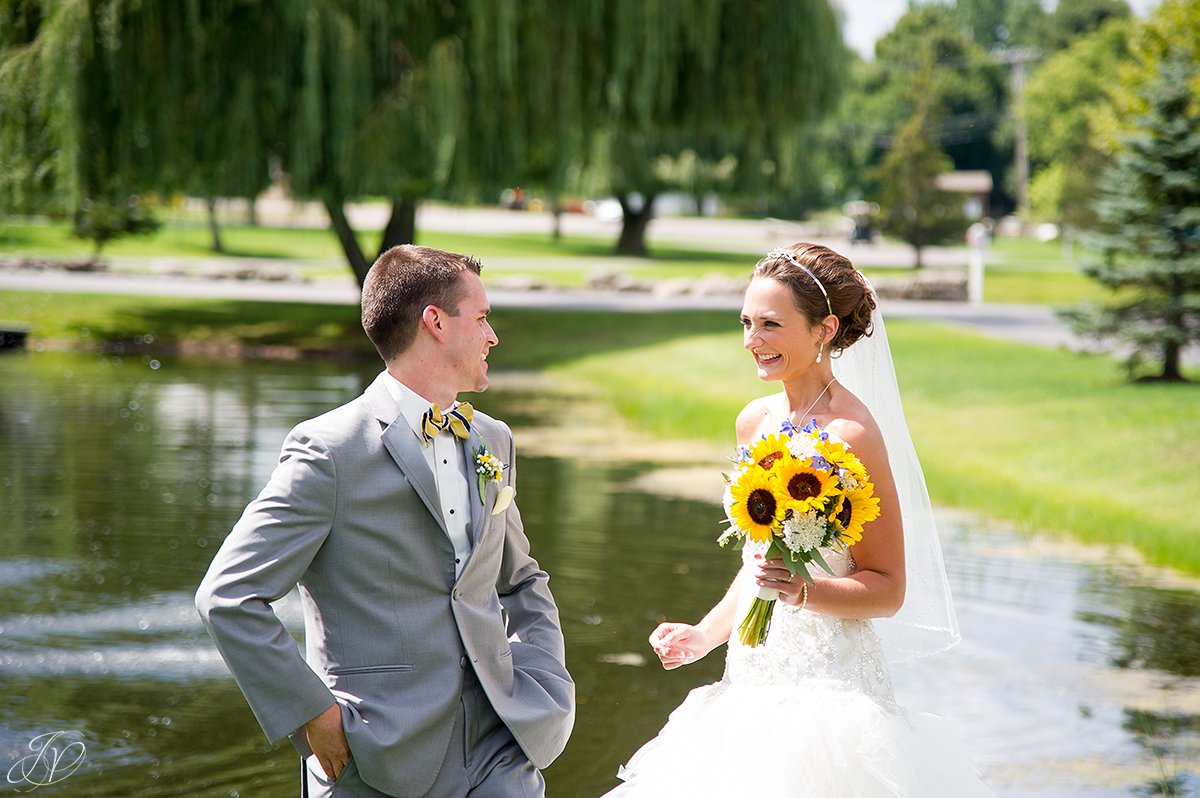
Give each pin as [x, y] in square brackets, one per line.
[458, 420]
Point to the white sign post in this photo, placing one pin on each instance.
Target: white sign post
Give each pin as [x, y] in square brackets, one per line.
[977, 241]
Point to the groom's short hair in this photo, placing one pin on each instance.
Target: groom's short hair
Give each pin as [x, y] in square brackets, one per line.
[402, 283]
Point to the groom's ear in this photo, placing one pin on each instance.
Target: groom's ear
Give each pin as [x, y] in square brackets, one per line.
[433, 321]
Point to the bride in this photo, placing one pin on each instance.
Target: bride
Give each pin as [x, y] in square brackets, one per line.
[810, 712]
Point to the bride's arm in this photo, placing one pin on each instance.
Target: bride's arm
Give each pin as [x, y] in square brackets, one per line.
[681, 643]
[876, 589]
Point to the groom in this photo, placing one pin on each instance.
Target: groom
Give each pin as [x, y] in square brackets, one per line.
[435, 662]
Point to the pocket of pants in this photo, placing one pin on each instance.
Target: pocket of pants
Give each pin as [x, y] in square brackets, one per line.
[313, 766]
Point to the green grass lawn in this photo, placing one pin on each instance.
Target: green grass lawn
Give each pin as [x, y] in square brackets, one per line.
[189, 239]
[1038, 272]
[1049, 440]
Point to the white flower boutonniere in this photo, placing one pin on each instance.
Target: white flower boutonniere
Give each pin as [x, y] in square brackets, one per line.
[488, 468]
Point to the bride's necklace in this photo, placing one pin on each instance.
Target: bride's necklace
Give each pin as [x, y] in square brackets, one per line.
[814, 404]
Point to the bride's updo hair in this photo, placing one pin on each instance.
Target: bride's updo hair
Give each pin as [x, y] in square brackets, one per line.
[849, 296]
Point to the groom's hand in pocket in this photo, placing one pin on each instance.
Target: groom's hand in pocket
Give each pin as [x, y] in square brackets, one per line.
[327, 739]
[678, 644]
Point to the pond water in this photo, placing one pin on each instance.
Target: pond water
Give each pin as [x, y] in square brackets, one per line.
[121, 475]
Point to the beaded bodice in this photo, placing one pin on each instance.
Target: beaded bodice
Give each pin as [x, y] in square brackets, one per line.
[804, 645]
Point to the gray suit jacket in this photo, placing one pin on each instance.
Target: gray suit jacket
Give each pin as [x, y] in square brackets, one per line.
[351, 515]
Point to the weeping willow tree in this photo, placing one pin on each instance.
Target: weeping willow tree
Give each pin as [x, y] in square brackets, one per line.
[741, 79]
[404, 99]
[62, 95]
[103, 99]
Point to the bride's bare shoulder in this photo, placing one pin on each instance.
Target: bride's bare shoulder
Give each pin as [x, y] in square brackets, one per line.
[752, 419]
[853, 423]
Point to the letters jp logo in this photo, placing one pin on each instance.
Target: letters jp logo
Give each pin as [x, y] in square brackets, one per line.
[55, 756]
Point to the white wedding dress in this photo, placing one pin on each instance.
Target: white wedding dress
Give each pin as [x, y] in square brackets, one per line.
[808, 714]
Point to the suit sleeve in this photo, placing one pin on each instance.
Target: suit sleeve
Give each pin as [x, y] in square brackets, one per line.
[264, 557]
[539, 658]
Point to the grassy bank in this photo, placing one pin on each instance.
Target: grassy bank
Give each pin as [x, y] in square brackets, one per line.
[1049, 440]
[1052, 441]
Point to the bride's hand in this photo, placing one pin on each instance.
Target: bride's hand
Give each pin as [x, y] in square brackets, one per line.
[775, 575]
[678, 644]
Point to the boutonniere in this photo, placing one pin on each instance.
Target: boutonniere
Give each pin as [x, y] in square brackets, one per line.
[488, 468]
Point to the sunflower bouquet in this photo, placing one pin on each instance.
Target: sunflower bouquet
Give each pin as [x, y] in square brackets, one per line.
[797, 491]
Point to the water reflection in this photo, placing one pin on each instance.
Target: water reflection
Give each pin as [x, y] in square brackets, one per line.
[1159, 629]
[121, 478]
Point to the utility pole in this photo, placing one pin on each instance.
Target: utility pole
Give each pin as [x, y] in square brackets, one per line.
[1016, 58]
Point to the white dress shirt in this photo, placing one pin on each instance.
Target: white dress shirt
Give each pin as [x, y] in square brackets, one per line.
[444, 455]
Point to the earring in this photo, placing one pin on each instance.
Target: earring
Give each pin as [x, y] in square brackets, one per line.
[820, 350]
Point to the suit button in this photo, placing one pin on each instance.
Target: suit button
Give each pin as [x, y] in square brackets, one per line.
[462, 662]
[455, 595]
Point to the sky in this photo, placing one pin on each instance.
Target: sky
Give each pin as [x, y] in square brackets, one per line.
[868, 20]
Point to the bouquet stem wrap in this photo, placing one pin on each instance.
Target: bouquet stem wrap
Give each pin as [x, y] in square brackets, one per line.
[756, 624]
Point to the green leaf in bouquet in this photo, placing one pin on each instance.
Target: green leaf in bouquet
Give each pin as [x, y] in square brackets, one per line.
[794, 562]
[819, 560]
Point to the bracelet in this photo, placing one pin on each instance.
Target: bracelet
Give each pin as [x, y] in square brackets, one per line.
[804, 594]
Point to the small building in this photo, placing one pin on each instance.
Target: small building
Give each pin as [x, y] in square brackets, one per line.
[975, 186]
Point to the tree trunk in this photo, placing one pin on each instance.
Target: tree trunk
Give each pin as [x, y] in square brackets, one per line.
[1171, 371]
[633, 227]
[1172, 351]
[556, 209]
[401, 226]
[917, 250]
[341, 226]
[213, 227]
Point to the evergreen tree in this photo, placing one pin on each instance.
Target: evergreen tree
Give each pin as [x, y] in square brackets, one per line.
[912, 207]
[1150, 207]
[967, 86]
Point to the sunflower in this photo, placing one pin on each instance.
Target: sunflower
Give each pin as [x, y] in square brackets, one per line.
[838, 454]
[768, 450]
[854, 510]
[756, 508]
[803, 487]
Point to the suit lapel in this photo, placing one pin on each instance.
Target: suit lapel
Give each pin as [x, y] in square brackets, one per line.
[402, 445]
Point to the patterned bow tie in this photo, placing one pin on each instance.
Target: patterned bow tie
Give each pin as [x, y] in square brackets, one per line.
[457, 420]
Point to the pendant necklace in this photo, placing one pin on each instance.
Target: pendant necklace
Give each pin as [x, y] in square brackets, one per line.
[814, 404]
